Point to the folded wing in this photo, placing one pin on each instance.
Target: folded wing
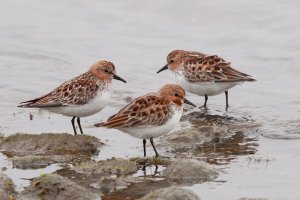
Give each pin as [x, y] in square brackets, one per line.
[141, 112]
[212, 69]
[77, 91]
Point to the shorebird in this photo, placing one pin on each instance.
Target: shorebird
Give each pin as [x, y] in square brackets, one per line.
[151, 115]
[204, 75]
[81, 96]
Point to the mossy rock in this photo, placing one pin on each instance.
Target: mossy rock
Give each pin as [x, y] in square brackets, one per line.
[107, 167]
[49, 144]
[151, 161]
[7, 188]
[55, 187]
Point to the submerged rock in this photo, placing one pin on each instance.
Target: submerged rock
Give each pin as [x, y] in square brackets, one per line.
[196, 135]
[112, 166]
[216, 138]
[189, 171]
[208, 127]
[35, 162]
[49, 144]
[1, 136]
[151, 161]
[187, 136]
[107, 176]
[53, 186]
[171, 193]
[7, 188]
[109, 184]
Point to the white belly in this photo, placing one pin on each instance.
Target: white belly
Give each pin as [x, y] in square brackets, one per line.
[92, 107]
[203, 89]
[155, 131]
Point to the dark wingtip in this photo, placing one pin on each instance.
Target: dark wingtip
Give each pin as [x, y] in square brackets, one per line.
[26, 104]
[252, 80]
[23, 106]
[249, 79]
[99, 124]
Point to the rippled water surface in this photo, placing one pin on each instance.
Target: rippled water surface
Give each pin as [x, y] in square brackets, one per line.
[44, 43]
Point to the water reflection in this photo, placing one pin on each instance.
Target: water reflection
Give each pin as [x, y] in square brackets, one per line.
[224, 137]
[225, 150]
[132, 186]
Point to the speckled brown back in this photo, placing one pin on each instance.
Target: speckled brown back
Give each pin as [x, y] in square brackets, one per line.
[211, 69]
[150, 109]
[77, 91]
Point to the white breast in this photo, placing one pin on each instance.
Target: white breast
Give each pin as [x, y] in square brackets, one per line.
[202, 89]
[95, 105]
[155, 131]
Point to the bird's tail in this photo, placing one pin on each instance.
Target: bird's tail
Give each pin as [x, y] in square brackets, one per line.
[27, 104]
[99, 124]
[250, 79]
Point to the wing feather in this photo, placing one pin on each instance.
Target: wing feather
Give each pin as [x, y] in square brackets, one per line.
[143, 111]
[77, 91]
[212, 68]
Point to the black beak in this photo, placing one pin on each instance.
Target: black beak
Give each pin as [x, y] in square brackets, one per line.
[162, 69]
[188, 102]
[118, 78]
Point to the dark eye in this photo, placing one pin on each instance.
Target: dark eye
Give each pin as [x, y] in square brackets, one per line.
[171, 61]
[176, 94]
[106, 70]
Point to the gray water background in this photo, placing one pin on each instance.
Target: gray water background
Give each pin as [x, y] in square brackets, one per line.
[44, 43]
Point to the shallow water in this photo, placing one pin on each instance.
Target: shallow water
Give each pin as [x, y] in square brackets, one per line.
[46, 43]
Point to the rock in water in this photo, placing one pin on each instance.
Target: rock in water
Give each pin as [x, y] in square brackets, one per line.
[48, 144]
[7, 188]
[189, 171]
[36, 162]
[171, 193]
[107, 167]
[55, 187]
[29, 151]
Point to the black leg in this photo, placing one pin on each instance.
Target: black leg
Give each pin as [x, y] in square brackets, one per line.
[73, 124]
[204, 105]
[156, 170]
[151, 141]
[144, 169]
[78, 121]
[144, 144]
[226, 94]
[206, 98]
